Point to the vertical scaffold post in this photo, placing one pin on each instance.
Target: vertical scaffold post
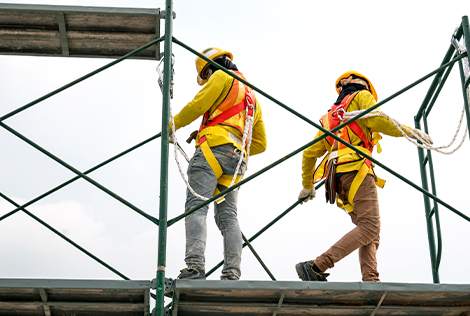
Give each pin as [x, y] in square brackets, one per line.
[466, 34]
[427, 207]
[160, 303]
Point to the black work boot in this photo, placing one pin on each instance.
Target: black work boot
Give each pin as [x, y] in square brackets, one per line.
[306, 272]
[196, 274]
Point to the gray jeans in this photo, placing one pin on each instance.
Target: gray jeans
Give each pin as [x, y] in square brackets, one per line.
[203, 180]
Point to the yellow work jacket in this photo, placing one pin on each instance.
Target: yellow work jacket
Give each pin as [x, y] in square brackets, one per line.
[208, 99]
[351, 162]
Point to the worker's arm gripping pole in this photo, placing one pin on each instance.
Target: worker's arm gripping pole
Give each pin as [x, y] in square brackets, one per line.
[162, 228]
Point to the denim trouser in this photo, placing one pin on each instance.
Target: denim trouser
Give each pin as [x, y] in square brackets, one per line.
[203, 180]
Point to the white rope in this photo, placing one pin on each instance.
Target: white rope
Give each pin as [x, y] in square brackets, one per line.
[173, 135]
[402, 128]
[247, 133]
[175, 147]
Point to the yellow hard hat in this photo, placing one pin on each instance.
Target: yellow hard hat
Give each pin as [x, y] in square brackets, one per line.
[211, 53]
[357, 73]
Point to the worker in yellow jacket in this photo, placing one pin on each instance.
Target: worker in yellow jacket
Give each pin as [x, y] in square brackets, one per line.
[350, 179]
[227, 106]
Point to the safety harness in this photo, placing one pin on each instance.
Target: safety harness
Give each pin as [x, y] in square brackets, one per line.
[236, 115]
[327, 168]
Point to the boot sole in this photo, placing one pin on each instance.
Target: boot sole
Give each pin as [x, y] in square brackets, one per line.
[300, 272]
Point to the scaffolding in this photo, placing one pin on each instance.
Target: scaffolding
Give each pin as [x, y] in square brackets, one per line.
[46, 297]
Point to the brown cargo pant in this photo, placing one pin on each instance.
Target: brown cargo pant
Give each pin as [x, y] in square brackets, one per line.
[365, 236]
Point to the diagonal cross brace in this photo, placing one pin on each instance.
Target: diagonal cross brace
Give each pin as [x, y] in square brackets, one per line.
[70, 241]
[80, 174]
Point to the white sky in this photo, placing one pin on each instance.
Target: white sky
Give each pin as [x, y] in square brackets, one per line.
[293, 50]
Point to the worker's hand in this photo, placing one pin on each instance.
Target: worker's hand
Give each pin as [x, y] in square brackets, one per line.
[307, 195]
[425, 137]
[171, 136]
[191, 137]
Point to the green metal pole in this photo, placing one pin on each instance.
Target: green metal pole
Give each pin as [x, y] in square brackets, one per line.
[441, 85]
[60, 186]
[466, 33]
[435, 209]
[89, 254]
[437, 78]
[266, 227]
[258, 258]
[427, 208]
[94, 72]
[80, 174]
[162, 228]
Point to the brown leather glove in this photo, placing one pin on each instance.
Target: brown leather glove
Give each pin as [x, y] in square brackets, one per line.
[191, 137]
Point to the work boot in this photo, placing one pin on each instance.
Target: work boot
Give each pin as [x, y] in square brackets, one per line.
[306, 272]
[195, 274]
[229, 278]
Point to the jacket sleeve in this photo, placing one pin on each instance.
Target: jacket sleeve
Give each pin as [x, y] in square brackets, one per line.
[377, 123]
[202, 102]
[309, 160]
[259, 140]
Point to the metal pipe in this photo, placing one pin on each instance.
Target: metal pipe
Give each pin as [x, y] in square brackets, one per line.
[435, 209]
[441, 85]
[80, 79]
[326, 133]
[442, 67]
[89, 254]
[265, 228]
[436, 79]
[258, 258]
[427, 209]
[162, 227]
[66, 165]
[78, 177]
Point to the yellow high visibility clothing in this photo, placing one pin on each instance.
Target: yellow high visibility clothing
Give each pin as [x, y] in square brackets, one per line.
[350, 162]
[208, 99]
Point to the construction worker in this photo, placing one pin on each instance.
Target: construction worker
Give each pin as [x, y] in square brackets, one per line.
[226, 105]
[350, 179]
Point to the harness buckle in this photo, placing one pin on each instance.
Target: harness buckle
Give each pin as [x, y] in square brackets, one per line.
[338, 113]
[250, 108]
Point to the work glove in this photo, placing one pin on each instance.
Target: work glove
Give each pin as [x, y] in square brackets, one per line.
[425, 137]
[307, 195]
[191, 137]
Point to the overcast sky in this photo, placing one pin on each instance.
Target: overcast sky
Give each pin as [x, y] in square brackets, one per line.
[293, 50]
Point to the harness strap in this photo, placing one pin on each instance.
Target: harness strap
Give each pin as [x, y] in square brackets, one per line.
[213, 163]
[225, 181]
[220, 131]
[222, 179]
[237, 108]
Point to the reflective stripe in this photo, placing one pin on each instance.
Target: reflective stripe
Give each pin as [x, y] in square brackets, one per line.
[236, 139]
[218, 130]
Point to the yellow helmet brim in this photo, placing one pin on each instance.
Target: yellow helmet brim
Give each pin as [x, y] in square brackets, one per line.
[357, 73]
